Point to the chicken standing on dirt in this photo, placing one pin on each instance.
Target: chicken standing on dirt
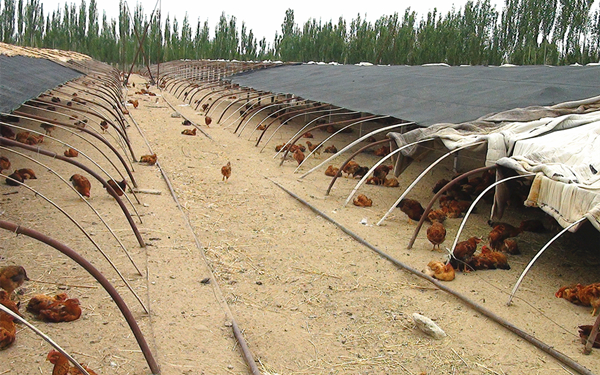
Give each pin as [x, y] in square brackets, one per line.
[299, 156]
[81, 184]
[62, 366]
[412, 208]
[118, 187]
[12, 277]
[436, 234]
[226, 171]
[4, 163]
[463, 252]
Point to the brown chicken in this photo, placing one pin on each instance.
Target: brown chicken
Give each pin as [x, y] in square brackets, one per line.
[12, 277]
[104, 126]
[436, 215]
[362, 201]
[374, 181]
[8, 331]
[22, 136]
[189, 131]
[436, 234]
[350, 167]
[81, 184]
[14, 179]
[454, 208]
[412, 208]
[307, 135]
[41, 302]
[382, 151]
[118, 187]
[331, 150]
[61, 311]
[299, 156]
[360, 172]
[500, 232]
[463, 252]
[207, 120]
[584, 333]
[439, 185]
[440, 271]
[149, 159]
[4, 163]
[381, 171]
[314, 148]
[226, 171]
[489, 260]
[134, 102]
[510, 246]
[47, 127]
[331, 171]
[536, 226]
[391, 182]
[6, 132]
[585, 295]
[62, 366]
[27, 174]
[204, 107]
[9, 303]
[33, 139]
[71, 153]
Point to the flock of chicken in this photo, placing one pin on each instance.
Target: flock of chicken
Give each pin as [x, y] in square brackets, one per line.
[52, 309]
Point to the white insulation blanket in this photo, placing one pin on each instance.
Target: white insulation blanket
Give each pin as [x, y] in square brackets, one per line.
[562, 148]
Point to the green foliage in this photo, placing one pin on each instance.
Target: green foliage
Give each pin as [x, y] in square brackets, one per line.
[522, 32]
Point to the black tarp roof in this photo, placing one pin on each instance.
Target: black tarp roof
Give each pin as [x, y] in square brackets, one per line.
[23, 78]
[429, 94]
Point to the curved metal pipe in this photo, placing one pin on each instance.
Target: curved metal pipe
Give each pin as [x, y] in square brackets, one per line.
[85, 200]
[137, 332]
[10, 142]
[472, 206]
[539, 253]
[439, 194]
[86, 234]
[416, 180]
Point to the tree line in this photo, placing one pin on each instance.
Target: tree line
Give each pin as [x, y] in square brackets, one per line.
[523, 32]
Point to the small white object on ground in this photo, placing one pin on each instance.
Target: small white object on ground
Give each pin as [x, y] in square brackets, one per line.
[428, 326]
[175, 115]
[364, 221]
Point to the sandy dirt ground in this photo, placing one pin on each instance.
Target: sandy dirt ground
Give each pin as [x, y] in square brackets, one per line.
[308, 298]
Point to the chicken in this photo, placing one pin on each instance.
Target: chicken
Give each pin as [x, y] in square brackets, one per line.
[439, 185]
[330, 129]
[314, 148]
[463, 252]
[584, 333]
[62, 366]
[149, 159]
[307, 135]
[6, 132]
[12, 179]
[360, 172]
[104, 126]
[382, 151]
[436, 234]
[204, 107]
[186, 122]
[61, 311]
[189, 131]
[71, 153]
[134, 102]
[207, 120]
[440, 271]
[436, 215]
[362, 201]
[118, 187]
[81, 184]
[374, 181]
[41, 302]
[226, 171]
[489, 260]
[381, 171]
[588, 295]
[510, 246]
[12, 277]
[27, 174]
[570, 293]
[8, 331]
[331, 171]
[412, 208]
[22, 136]
[350, 167]
[299, 156]
[55, 99]
[47, 127]
[330, 150]
[4, 163]
[500, 232]
[454, 208]
[535, 226]
[391, 182]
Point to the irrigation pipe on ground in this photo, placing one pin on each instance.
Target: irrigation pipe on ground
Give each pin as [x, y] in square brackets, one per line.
[503, 322]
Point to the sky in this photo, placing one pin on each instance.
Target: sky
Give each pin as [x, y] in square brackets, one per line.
[265, 17]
